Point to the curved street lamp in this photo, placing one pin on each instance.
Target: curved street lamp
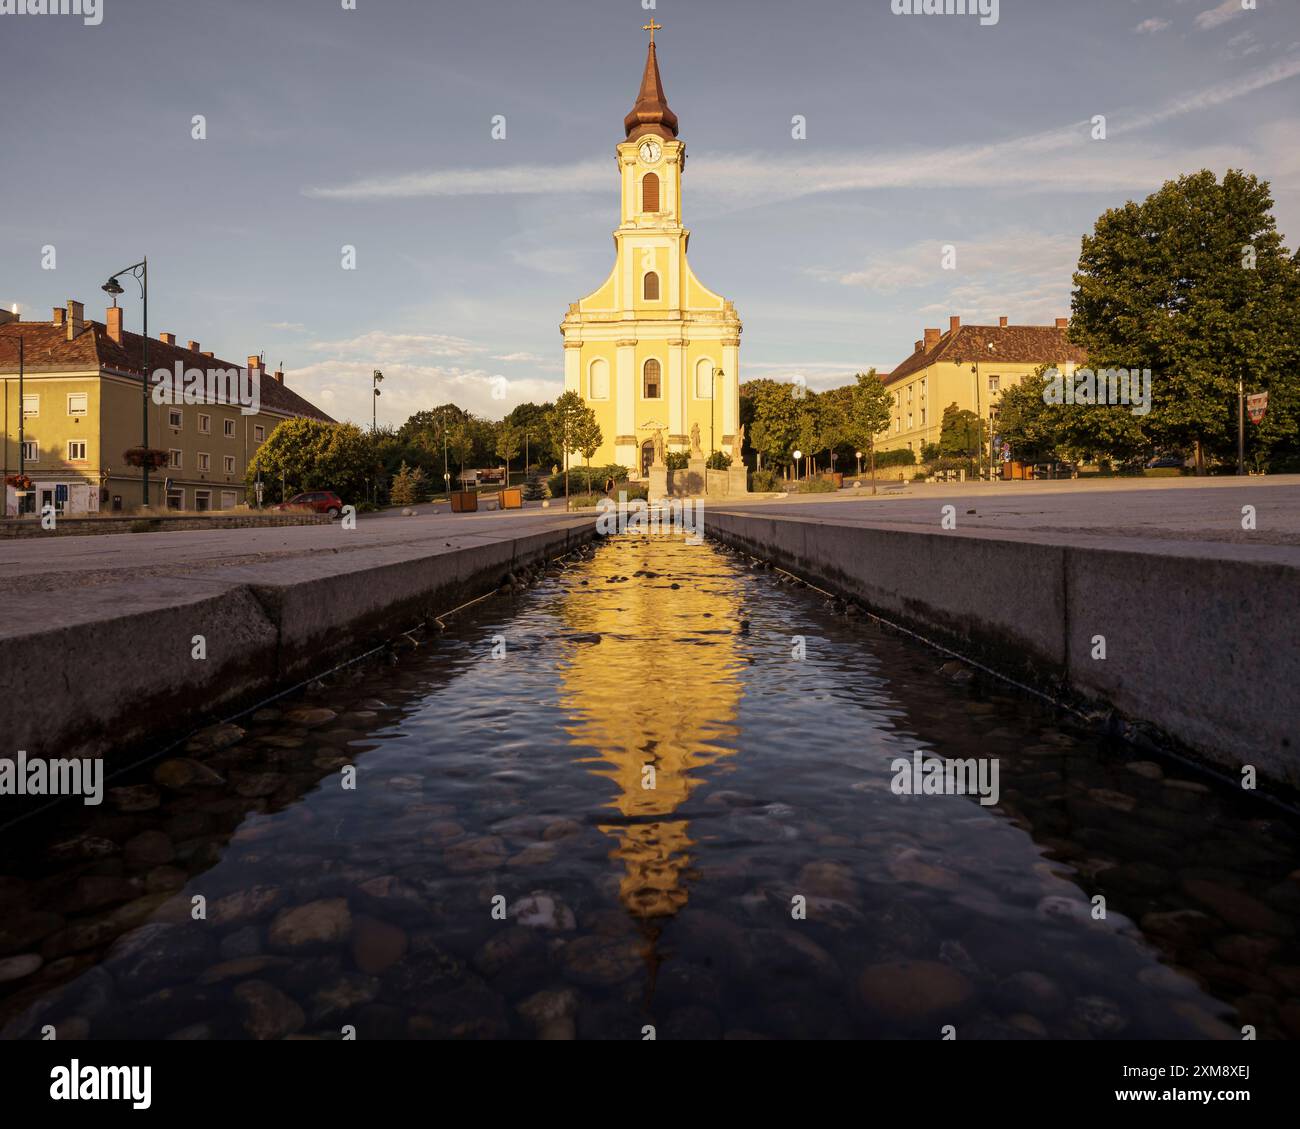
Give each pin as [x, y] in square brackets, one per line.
[140, 272]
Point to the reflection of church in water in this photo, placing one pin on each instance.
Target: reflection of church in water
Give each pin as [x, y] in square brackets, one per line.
[661, 690]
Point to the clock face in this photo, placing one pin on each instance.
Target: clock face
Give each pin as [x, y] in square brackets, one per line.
[650, 152]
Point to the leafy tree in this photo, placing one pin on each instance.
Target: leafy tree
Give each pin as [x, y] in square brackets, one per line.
[566, 422]
[870, 410]
[530, 419]
[509, 443]
[588, 437]
[1194, 284]
[408, 486]
[310, 454]
[771, 412]
[460, 442]
[962, 434]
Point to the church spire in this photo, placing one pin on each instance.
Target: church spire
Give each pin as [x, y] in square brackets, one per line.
[651, 113]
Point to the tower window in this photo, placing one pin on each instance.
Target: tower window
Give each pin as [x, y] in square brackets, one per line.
[652, 287]
[650, 193]
[651, 380]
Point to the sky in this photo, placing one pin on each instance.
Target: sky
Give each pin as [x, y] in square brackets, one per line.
[372, 127]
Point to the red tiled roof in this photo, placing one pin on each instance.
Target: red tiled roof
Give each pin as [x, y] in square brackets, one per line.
[47, 349]
[1012, 344]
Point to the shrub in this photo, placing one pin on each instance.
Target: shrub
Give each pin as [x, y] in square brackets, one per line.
[765, 482]
[902, 457]
[584, 481]
[678, 460]
[719, 460]
[817, 486]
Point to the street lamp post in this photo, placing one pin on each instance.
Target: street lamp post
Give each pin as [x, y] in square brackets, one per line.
[140, 272]
[713, 396]
[859, 455]
[376, 379]
[797, 456]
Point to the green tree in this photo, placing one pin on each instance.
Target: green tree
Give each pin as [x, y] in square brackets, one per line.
[1194, 284]
[565, 423]
[408, 486]
[588, 438]
[962, 434]
[870, 410]
[309, 454]
[509, 443]
[772, 413]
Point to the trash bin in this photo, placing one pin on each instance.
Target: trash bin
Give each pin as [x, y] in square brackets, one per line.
[464, 502]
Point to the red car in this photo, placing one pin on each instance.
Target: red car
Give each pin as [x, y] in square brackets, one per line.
[317, 502]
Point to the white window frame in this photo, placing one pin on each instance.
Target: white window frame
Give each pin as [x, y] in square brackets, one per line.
[35, 448]
[205, 461]
[178, 491]
[197, 494]
[228, 463]
[35, 398]
[84, 397]
[175, 459]
[695, 380]
[259, 433]
[228, 426]
[175, 419]
[205, 424]
[77, 443]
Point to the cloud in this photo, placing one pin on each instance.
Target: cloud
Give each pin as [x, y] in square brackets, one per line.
[521, 358]
[342, 389]
[1215, 17]
[1056, 158]
[381, 346]
[1147, 27]
[289, 326]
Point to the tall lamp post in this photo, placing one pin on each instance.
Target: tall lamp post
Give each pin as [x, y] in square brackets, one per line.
[376, 379]
[140, 272]
[859, 454]
[797, 456]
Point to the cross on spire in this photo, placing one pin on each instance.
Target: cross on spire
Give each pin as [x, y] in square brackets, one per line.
[652, 27]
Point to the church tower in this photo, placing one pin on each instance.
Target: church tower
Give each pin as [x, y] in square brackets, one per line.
[653, 349]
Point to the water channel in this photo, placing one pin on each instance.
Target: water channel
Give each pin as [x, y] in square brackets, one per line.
[507, 865]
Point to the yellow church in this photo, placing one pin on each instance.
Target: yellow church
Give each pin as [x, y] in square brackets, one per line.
[655, 354]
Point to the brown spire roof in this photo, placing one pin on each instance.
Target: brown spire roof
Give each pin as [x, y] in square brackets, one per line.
[651, 113]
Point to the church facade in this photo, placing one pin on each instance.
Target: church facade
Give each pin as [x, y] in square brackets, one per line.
[653, 352]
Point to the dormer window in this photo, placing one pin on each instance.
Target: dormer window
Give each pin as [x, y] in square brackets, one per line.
[652, 287]
[650, 193]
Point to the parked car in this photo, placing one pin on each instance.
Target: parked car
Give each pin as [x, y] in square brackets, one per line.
[316, 502]
[1165, 461]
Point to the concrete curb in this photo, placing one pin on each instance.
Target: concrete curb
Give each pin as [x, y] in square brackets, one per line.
[1201, 650]
[113, 669]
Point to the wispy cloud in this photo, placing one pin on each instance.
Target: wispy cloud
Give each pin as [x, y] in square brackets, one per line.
[288, 326]
[1221, 14]
[379, 345]
[750, 179]
[1148, 27]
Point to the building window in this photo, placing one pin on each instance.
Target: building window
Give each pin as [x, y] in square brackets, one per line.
[922, 386]
[78, 403]
[31, 451]
[598, 380]
[230, 464]
[174, 459]
[259, 433]
[230, 428]
[909, 393]
[174, 418]
[203, 500]
[922, 417]
[650, 193]
[909, 421]
[993, 383]
[205, 461]
[651, 287]
[898, 425]
[176, 498]
[76, 450]
[650, 382]
[205, 425]
[31, 405]
[229, 499]
[704, 379]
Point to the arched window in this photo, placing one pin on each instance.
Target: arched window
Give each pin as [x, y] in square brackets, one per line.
[704, 379]
[652, 287]
[650, 380]
[598, 384]
[650, 193]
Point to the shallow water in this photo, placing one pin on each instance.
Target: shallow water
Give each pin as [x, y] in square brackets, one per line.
[518, 783]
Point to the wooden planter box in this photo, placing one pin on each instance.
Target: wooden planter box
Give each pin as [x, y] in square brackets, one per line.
[513, 498]
[464, 502]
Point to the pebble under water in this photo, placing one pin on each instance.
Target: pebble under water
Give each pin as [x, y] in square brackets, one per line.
[516, 783]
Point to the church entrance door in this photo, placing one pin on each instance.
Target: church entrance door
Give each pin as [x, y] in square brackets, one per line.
[647, 457]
